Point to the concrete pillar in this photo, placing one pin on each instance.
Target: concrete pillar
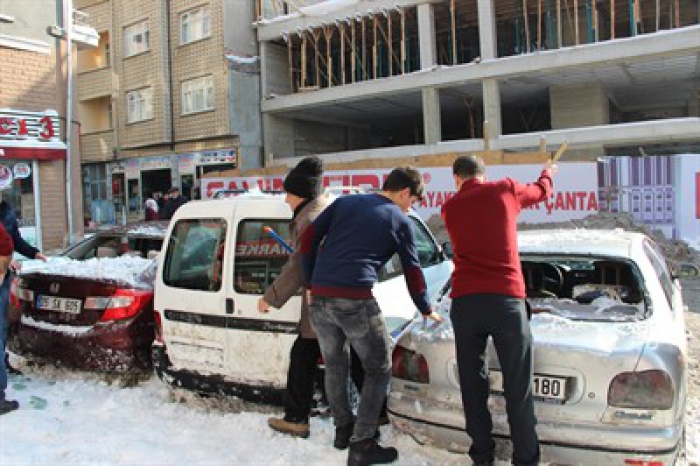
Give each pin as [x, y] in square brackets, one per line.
[278, 138]
[577, 105]
[487, 29]
[426, 35]
[492, 106]
[432, 133]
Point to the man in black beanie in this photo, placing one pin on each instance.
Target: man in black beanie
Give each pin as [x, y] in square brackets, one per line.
[303, 187]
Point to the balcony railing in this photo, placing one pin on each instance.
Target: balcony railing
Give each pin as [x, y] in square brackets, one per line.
[97, 146]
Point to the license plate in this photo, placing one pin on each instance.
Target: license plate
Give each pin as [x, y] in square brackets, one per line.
[54, 303]
[545, 387]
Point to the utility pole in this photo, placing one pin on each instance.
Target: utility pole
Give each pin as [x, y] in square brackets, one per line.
[68, 26]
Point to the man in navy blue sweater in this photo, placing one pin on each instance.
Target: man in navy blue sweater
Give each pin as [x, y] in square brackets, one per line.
[360, 233]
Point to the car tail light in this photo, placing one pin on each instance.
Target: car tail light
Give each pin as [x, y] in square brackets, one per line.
[633, 462]
[159, 326]
[123, 304]
[19, 292]
[409, 365]
[651, 389]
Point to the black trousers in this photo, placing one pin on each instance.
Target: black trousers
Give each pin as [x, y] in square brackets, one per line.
[301, 375]
[504, 319]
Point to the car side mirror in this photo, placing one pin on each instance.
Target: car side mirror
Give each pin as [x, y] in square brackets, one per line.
[447, 249]
[686, 270]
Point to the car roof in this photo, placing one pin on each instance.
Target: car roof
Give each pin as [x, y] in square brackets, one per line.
[580, 241]
[152, 229]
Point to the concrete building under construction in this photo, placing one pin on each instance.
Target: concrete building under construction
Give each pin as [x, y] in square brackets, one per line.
[392, 78]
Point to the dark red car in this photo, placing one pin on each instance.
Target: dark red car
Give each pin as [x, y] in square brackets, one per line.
[92, 307]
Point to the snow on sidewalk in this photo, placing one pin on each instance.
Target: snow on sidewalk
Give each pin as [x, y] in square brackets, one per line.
[88, 421]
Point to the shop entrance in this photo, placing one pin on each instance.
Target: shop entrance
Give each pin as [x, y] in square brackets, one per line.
[154, 181]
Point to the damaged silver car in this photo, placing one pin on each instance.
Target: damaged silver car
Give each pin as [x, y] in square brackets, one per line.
[610, 355]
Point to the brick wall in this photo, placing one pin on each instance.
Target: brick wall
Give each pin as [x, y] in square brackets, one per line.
[27, 80]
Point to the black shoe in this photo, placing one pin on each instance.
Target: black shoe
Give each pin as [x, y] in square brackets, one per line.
[342, 436]
[8, 405]
[368, 451]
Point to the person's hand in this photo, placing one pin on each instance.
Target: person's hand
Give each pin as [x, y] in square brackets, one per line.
[41, 256]
[263, 307]
[15, 266]
[550, 166]
[434, 316]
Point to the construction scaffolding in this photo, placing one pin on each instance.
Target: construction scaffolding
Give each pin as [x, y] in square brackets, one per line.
[380, 42]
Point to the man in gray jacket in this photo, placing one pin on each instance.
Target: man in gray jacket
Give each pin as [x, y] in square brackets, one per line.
[303, 187]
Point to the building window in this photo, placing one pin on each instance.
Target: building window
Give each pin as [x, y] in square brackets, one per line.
[139, 105]
[195, 25]
[136, 39]
[197, 95]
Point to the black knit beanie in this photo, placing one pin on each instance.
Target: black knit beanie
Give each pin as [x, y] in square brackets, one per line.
[305, 180]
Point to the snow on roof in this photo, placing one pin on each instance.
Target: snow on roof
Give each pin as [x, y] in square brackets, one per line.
[577, 241]
[242, 60]
[127, 270]
[147, 230]
[319, 9]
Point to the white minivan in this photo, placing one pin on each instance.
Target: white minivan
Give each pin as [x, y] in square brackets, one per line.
[217, 261]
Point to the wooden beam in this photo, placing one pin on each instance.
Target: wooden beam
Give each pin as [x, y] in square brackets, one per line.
[403, 42]
[527, 27]
[374, 48]
[317, 37]
[328, 33]
[364, 51]
[303, 59]
[353, 54]
[453, 25]
[341, 29]
[576, 21]
[612, 19]
[290, 57]
[539, 24]
[559, 38]
[390, 44]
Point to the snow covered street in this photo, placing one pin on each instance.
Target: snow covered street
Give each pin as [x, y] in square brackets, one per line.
[76, 418]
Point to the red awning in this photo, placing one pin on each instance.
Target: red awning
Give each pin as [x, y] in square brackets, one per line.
[31, 153]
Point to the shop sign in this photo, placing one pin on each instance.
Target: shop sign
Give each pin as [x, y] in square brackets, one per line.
[212, 157]
[132, 168]
[22, 170]
[5, 177]
[185, 163]
[156, 163]
[41, 127]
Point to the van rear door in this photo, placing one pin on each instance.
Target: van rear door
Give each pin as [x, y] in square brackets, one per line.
[191, 296]
[259, 344]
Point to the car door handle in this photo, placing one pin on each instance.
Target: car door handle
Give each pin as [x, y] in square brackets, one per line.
[229, 306]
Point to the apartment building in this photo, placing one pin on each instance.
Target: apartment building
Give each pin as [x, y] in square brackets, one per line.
[170, 93]
[355, 79]
[35, 152]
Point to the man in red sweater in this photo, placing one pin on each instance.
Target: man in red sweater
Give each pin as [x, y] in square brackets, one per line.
[488, 299]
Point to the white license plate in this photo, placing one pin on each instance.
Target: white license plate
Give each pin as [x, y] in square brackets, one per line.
[547, 387]
[54, 303]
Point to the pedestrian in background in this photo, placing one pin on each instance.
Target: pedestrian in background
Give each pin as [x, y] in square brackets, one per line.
[6, 250]
[174, 201]
[151, 209]
[8, 219]
[488, 299]
[359, 234]
[303, 186]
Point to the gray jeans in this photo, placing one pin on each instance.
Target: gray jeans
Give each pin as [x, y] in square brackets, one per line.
[360, 323]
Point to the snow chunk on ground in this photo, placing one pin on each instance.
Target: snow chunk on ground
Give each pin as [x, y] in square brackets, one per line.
[129, 270]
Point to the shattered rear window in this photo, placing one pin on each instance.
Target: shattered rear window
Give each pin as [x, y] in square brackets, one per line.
[585, 288]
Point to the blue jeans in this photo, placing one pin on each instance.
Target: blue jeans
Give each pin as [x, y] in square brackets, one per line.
[338, 321]
[4, 308]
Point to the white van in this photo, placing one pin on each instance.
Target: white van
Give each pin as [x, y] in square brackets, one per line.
[217, 261]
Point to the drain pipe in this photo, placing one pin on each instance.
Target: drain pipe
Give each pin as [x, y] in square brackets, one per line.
[68, 26]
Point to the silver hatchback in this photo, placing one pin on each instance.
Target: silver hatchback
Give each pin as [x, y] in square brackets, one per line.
[610, 355]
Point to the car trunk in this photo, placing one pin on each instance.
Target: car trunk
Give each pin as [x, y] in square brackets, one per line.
[61, 299]
[574, 364]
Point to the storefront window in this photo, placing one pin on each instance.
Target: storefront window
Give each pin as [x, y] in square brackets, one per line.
[96, 204]
[16, 183]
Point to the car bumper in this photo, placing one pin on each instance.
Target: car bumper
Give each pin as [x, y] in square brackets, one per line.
[561, 443]
[210, 383]
[112, 348]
